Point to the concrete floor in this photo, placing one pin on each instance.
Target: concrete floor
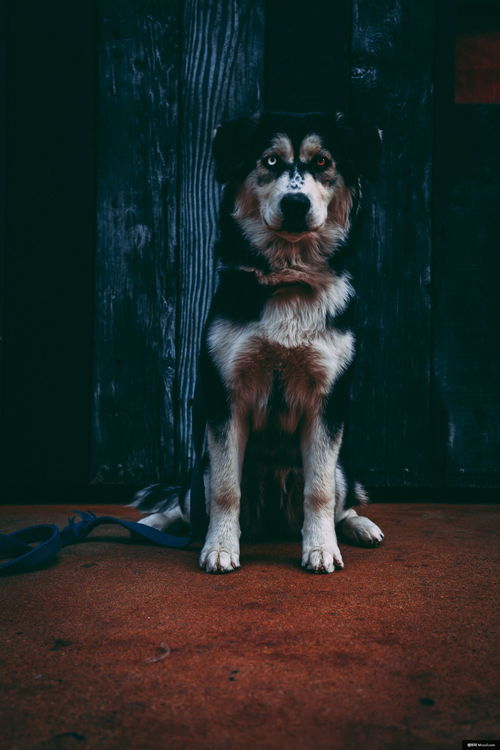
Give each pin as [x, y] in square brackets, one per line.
[121, 645]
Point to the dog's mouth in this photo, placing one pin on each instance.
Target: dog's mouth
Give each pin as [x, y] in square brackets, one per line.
[292, 236]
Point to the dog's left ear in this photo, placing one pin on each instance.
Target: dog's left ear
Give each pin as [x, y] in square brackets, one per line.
[362, 146]
[232, 145]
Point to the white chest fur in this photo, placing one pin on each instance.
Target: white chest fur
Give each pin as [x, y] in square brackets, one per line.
[291, 338]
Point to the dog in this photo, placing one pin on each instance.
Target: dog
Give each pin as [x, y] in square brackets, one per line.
[277, 350]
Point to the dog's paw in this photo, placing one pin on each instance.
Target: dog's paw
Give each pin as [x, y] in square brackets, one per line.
[322, 560]
[360, 530]
[218, 560]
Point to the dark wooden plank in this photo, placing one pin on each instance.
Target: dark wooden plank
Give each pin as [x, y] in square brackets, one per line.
[466, 266]
[133, 418]
[48, 302]
[390, 421]
[221, 78]
[308, 55]
[4, 25]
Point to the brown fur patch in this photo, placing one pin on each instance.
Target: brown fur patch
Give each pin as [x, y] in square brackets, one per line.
[247, 203]
[305, 260]
[299, 372]
[318, 501]
[340, 206]
[304, 381]
[298, 281]
[253, 380]
[226, 499]
[281, 145]
[310, 146]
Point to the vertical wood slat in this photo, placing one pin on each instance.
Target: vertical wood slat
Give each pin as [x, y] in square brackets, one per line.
[390, 421]
[151, 308]
[466, 303]
[133, 418]
[221, 78]
[4, 25]
[307, 55]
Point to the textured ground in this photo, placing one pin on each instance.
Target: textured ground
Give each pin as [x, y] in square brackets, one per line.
[120, 645]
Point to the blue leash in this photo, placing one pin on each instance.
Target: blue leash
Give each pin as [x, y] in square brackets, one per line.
[49, 540]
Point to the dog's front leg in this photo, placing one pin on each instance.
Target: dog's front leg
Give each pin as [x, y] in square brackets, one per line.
[226, 447]
[320, 551]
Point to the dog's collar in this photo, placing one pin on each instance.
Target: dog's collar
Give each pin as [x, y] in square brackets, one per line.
[272, 278]
[276, 280]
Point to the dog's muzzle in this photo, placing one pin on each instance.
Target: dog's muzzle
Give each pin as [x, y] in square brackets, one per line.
[294, 208]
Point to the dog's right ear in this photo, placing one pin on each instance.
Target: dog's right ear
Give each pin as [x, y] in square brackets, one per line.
[232, 146]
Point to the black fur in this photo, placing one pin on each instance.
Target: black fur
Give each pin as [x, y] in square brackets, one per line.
[238, 143]
[336, 403]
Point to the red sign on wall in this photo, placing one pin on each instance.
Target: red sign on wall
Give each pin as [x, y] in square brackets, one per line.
[477, 63]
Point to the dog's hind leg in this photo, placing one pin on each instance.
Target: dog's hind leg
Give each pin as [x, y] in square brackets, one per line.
[352, 528]
[360, 530]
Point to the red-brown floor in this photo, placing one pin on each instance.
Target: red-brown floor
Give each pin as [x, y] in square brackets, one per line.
[120, 645]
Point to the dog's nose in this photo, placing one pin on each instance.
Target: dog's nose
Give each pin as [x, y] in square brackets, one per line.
[294, 207]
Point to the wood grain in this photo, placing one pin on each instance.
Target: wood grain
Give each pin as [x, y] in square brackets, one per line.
[392, 57]
[424, 412]
[466, 303]
[221, 78]
[307, 55]
[136, 295]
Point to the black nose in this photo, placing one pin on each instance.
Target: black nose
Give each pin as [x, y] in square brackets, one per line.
[294, 207]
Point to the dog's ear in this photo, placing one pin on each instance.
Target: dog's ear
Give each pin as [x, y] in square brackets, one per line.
[361, 146]
[232, 145]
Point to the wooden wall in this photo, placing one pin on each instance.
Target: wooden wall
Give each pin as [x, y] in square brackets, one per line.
[111, 219]
[169, 72]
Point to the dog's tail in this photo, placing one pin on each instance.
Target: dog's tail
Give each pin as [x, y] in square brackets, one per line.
[356, 494]
[166, 506]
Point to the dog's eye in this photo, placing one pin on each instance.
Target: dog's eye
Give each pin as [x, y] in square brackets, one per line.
[321, 161]
[271, 161]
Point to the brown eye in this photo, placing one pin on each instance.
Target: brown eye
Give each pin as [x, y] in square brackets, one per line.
[320, 161]
[271, 160]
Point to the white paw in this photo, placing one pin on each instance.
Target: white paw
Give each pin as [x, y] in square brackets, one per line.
[322, 560]
[362, 531]
[218, 560]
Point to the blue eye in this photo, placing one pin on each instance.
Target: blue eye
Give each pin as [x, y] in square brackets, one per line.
[271, 160]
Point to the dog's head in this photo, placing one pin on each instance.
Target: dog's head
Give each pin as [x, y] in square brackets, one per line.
[296, 177]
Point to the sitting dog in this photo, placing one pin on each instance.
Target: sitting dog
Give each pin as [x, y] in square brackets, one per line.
[276, 352]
